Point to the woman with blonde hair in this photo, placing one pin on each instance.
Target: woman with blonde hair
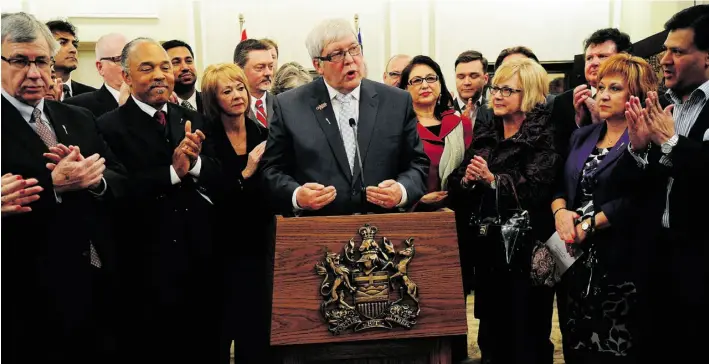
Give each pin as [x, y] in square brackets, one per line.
[289, 76]
[240, 206]
[596, 207]
[512, 155]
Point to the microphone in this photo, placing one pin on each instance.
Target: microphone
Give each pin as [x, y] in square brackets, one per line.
[353, 125]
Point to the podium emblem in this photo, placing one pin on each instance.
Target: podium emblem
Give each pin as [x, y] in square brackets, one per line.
[368, 286]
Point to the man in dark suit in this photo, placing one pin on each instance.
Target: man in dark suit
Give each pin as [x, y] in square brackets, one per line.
[255, 59]
[66, 60]
[672, 144]
[108, 64]
[165, 260]
[470, 80]
[311, 163]
[183, 67]
[55, 235]
[576, 108]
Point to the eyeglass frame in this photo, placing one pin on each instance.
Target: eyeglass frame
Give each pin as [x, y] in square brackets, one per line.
[503, 90]
[394, 74]
[411, 81]
[329, 57]
[114, 59]
[28, 63]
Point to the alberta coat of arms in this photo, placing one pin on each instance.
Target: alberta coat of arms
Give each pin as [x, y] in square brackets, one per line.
[368, 286]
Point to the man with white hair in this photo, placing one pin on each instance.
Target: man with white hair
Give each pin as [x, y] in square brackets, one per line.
[108, 65]
[392, 71]
[312, 164]
[56, 172]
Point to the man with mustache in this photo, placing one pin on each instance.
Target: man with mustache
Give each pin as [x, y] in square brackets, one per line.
[311, 164]
[57, 174]
[66, 60]
[183, 66]
[672, 145]
[165, 256]
[108, 65]
[254, 57]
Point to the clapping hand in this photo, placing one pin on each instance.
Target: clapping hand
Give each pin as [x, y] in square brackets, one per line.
[17, 193]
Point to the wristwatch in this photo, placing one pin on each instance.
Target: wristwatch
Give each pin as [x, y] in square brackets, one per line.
[586, 226]
[667, 146]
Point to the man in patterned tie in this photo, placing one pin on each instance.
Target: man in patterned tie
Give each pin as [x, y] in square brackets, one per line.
[312, 164]
[183, 67]
[53, 214]
[255, 59]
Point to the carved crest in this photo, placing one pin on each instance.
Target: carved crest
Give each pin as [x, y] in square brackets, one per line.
[368, 286]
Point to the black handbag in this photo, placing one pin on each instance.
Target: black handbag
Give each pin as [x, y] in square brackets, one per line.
[511, 228]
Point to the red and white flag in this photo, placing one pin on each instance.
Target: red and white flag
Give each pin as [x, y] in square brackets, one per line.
[243, 35]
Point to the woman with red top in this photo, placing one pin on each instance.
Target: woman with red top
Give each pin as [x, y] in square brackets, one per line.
[445, 134]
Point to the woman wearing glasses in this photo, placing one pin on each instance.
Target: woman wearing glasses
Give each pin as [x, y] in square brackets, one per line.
[515, 152]
[444, 133]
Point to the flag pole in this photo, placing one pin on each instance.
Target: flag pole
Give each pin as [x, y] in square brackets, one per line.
[241, 24]
[356, 22]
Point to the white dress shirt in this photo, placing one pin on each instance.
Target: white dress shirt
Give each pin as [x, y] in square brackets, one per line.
[337, 107]
[263, 100]
[192, 100]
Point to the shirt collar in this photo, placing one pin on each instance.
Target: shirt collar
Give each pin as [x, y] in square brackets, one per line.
[333, 93]
[147, 108]
[24, 109]
[115, 93]
[68, 83]
[676, 99]
[462, 104]
[193, 99]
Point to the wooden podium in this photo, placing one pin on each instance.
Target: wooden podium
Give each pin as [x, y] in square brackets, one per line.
[299, 330]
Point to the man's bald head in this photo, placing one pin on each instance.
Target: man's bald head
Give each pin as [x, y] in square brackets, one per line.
[396, 64]
[108, 59]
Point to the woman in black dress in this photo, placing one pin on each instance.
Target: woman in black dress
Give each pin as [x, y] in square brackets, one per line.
[243, 218]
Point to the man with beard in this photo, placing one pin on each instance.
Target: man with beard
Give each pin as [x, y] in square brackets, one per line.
[182, 59]
[255, 59]
[66, 60]
[470, 80]
[108, 65]
[165, 256]
[311, 165]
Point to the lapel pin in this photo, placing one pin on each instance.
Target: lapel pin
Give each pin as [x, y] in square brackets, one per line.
[328, 121]
[65, 131]
[321, 106]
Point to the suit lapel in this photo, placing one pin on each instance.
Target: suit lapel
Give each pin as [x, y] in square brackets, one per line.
[104, 97]
[176, 122]
[368, 106]
[325, 115]
[700, 125]
[269, 107]
[198, 99]
[20, 129]
[62, 128]
[143, 127]
[614, 153]
[587, 147]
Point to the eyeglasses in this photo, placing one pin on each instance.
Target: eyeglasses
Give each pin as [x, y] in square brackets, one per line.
[419, 80]
[339, 56]
[506, 91]
[22, 62]
[114, 59]
[394, 74]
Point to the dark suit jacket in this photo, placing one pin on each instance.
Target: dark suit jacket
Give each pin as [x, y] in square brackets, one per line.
[269, 110]
[618, 193]
[47, 249]
[78, 88]
[98, 102]
[304, 145]
[483, 114]
[166, 251]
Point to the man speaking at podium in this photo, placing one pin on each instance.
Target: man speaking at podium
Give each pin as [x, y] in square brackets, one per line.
[312, 164]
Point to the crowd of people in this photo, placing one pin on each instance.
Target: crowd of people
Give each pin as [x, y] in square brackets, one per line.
[138, 218]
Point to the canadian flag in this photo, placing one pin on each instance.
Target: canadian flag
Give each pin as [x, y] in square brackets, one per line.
[243, 35]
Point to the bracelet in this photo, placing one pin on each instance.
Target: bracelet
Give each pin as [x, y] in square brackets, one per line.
[557, 210]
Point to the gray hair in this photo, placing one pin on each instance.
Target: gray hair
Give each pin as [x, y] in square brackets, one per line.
[129, 48]
[329, 31]
[25, 28]
[290, 76]
[104, 41]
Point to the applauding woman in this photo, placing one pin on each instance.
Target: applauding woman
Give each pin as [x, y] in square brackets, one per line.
[241, 206]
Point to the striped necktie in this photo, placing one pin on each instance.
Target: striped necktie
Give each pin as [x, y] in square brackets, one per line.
[261, 113]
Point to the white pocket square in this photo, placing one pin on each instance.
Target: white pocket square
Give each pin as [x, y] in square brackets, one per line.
[706, 136]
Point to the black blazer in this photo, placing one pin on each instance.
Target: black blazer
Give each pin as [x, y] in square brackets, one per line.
[78, 88]
[98, 102]
[47, 249]
[304, 145]
[619, 193]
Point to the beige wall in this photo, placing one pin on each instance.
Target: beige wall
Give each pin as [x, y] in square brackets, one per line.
[554, 29]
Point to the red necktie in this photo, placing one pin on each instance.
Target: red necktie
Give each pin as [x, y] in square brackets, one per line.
[160, 117]
[261, 113]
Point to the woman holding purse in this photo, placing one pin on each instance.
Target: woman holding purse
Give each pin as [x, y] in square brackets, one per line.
[512, 158]
[595, 215]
